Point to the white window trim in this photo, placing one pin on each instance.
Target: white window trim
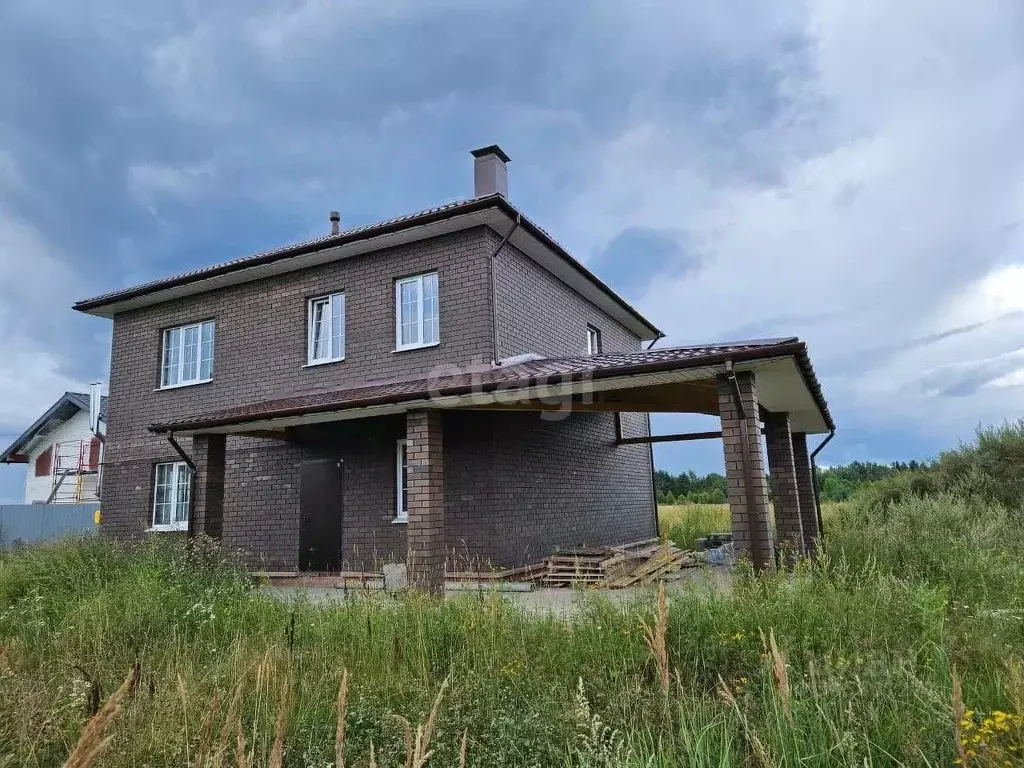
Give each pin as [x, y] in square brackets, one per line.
[399, 346]
[401, 514]
[310, 359]
[593, 335]
[180, 525]
[181, 356]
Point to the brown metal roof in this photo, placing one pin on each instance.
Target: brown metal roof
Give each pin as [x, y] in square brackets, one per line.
[353, 235]
[527, 374]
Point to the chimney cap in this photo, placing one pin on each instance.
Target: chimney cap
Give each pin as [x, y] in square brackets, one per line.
[334, 215]
[492, 149]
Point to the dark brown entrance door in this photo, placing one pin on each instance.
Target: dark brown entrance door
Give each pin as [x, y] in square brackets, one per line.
[320, 515]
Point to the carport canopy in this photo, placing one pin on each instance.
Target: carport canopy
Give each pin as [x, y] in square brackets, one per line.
[765, 385]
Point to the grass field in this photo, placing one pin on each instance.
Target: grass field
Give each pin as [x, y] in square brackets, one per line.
[903, 646]
[685, 523]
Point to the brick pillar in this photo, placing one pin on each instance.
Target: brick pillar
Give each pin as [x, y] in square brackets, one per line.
[208, 485]
[778, 440]
[425, 529]
[751, 523]
[805, 487]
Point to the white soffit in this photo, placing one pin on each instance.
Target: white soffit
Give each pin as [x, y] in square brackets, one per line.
[781, 387]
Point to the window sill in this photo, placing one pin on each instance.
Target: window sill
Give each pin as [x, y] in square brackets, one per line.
[410, 347]
[169, 528]
[316, 363]
[187, 384]
[400, 521]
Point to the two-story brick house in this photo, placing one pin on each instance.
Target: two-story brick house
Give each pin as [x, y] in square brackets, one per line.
[450, 384]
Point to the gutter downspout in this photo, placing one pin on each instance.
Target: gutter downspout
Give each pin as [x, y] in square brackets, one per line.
[748, 474]
[650, 452]
[494, 288]
[192, 486]
[817, 489]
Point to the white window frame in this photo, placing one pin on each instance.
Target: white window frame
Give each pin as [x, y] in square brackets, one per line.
[179, 472]
[401, 481]
[421, 325]
[179, 366]
[335, 302]
[593, 340]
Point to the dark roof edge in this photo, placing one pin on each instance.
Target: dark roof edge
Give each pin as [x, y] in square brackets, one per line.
[470, 206]
[794, 347]
[28, 434]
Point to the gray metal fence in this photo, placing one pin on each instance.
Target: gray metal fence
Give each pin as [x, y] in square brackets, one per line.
[30, 523]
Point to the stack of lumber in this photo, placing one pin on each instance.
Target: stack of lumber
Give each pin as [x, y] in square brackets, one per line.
[642, 562]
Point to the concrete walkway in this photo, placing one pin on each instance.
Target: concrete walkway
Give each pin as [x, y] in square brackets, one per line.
[561, 602]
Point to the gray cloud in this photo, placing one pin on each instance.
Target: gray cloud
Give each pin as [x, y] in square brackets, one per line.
[850, 174]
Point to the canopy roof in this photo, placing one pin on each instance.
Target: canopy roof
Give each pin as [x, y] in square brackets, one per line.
[679, 379]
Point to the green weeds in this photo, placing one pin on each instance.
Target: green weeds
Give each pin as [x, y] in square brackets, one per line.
[848, 661]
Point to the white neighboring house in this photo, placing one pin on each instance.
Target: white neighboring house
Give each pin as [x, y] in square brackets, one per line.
[62, 453]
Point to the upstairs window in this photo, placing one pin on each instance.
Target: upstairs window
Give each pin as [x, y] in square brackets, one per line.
[416, 312]
[187, 355]
[593, 340]
[326, 337]
[171, 491]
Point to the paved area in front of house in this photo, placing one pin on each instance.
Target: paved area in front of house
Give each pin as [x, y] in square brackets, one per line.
[561, 602]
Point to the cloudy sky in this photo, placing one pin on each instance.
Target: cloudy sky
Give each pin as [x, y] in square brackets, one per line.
[852, 173]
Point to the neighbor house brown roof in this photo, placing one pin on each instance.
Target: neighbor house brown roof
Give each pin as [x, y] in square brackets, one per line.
[526, 374]
[361, 233]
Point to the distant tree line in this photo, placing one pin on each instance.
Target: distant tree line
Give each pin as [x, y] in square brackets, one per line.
[840, 482]
[989, 468]
[690, 488]
[836, 483]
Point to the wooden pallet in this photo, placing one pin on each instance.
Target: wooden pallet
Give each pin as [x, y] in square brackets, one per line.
[614, 567]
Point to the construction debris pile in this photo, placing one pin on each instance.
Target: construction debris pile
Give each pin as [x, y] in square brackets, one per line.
[642, 562]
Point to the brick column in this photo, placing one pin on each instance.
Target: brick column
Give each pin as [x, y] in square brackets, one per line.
[805, 487]
[425, 529]
[751, 523]
[208, 485]
[785, 494]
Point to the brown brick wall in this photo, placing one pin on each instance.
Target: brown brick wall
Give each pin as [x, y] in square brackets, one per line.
[425, 531]
[515, 485]
[260, 341]
[547, 484]
[785, 494]
[805, 486]
[553, 483]
[208, 455]
[541, 314]
[751, 523]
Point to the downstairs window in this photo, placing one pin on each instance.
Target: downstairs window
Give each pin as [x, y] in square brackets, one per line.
[172, 490]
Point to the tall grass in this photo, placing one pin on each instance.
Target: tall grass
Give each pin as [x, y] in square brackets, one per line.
[683, 524]
[845, 662]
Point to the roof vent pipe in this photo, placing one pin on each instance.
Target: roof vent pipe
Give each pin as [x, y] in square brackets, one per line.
[335, 222]
[490, 174]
